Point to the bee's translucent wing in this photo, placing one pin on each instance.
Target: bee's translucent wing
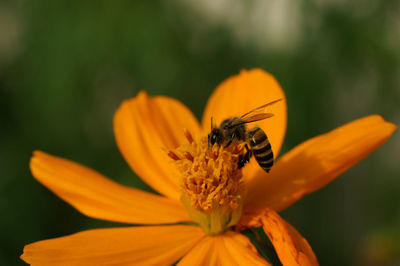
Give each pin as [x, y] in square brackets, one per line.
[249, 119]
[256, 117]
[259, 110]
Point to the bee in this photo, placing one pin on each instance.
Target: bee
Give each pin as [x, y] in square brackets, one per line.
[234, 129]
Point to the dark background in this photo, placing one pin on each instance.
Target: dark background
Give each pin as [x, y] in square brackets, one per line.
[65, 66]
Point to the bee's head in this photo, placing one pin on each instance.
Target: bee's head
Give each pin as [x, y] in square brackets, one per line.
[215, 136]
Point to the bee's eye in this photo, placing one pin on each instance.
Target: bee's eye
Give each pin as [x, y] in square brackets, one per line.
[213, 138]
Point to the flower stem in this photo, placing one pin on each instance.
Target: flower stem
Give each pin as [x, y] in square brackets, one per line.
[257, 236]
[259, 240]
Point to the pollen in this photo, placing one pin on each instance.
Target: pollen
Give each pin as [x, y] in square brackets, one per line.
[211, 183]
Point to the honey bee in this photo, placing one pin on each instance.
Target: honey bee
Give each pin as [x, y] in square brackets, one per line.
[234, 129]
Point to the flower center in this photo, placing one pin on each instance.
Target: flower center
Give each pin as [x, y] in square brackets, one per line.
[211, 182]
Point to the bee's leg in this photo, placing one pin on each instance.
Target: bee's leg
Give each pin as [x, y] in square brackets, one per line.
[244, 158]
[230, 140]
[248, 154]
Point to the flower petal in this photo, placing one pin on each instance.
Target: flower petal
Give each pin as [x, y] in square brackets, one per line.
[290, 246]
[143, 127]
[230, 248]
[144, 245]
[316, 162]
[97, 196]
[241, 93]
[236, 249]
[204, 253]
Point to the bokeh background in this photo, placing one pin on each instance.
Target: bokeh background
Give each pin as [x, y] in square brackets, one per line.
[66, 65]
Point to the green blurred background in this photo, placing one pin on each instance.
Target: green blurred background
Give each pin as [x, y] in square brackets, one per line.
[65, 66]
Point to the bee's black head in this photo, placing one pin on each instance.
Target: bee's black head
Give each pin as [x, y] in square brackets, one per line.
[215, 136]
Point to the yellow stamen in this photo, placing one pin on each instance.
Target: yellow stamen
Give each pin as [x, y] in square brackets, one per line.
[211, 183]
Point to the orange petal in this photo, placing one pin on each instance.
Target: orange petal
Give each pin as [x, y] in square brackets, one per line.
[228, 249]
[316, 162]
[97, 196]
[204, 253]
[145, 245]
[290, 246]
[241, 93]
[143, 127]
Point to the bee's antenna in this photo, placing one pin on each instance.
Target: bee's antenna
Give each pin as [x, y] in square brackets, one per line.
[212, 126]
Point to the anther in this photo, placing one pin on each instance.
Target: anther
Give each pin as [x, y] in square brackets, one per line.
[216, 153]
[189, 156]
[173, 155]
[188, 135]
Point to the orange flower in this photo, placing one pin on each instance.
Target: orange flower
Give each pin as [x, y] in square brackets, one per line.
[198, 184]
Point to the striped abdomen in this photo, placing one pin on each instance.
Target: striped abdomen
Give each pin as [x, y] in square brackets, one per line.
[261, 148]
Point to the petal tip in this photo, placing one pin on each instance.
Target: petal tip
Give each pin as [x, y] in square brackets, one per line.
[256, 71]
[36, 153]
[142, 93]
[389, 126]
[24, 255]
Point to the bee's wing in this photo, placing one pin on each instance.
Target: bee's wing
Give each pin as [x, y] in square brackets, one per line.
[251, 118]
[259, 110]
[256, 117]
